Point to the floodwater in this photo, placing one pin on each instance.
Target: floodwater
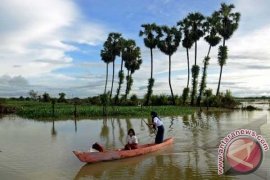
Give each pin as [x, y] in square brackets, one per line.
[31, 149]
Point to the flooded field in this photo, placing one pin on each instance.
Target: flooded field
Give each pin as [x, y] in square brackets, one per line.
[31, 149]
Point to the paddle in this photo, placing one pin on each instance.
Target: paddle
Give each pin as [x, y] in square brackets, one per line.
[150, 126]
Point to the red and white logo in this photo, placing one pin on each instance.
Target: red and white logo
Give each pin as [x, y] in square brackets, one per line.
[244, 155]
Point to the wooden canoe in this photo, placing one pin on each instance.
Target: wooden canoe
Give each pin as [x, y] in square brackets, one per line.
[92, 157]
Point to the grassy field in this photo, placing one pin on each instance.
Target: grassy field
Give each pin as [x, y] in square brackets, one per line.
[41, 110]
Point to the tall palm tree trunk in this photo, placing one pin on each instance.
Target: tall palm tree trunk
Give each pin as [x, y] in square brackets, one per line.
[105, 92]
[219, 81]
[194, 76]
[128, 79]
[150, 81]
[106, 82]
[130, 83]
[112, 80]
[195, 52]
[220, 74]
[188, 67]
[209, 51]
[151, 52]
[120, 82]
[203, 82]
[170, 80]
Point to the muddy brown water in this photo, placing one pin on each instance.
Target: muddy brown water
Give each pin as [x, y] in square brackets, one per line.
[31, 149]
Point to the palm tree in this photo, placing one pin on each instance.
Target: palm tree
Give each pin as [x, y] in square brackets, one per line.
[150, 40]
[135, 65]
[227, 24]
[108, 57]
[131, 54]
[212, 39]
[169, 40]
[208, 94]
[121, 72]
[113, 43]
[195, 23]
[187, 43]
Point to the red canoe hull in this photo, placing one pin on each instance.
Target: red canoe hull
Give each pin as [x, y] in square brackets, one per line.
[92, 157]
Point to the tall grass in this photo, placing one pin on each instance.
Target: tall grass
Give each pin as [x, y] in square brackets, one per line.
[43, 110]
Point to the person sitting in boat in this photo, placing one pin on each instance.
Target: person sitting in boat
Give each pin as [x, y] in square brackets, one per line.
[97, 148]
[158, 124]
[132, 140]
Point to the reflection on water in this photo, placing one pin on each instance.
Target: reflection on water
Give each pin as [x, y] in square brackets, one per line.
[43, 150]
[75, 124]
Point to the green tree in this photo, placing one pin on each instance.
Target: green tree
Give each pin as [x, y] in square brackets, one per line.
[107, 57]
[212, 38]
[227, 24]
[33, 94]
[195, 25]
[208, 93]
[113, 43]
[132, 58]
[46, 97]
[134, 100]
[169, 39]
[121, 75]
[149, 33]
[62, 97]
[187, 43]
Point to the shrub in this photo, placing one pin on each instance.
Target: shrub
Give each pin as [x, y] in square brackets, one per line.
[223, 100]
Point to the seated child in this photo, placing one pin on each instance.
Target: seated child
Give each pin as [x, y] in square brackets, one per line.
[132, 141]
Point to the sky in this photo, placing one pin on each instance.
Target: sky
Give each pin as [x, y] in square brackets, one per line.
[54, 46]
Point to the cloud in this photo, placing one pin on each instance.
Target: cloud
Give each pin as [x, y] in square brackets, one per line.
[254, 14]
[13, 81]
[13, 86]
[37, 35]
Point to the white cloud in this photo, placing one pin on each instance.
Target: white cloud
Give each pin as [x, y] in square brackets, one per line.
[36, 35]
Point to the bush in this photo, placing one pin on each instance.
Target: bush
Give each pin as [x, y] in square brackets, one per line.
[223, 100]
[185, 95]
[158, 100]
[95, 100]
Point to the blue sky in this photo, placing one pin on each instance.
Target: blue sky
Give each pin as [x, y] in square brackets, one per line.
[54, 46]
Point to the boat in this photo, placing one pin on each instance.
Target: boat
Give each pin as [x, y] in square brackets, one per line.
[93, 157]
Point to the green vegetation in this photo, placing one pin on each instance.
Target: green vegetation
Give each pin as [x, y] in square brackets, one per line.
[212, 38]
[187, 43]
[169, 40]
[220, 25]
[227, 24]
[223, 100]
[44, 110]
[131, 54]
[150, 35]
[121, 72]
[194, 22]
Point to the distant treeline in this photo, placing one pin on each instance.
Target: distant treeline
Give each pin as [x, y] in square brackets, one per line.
[254, 98]
[224, 100]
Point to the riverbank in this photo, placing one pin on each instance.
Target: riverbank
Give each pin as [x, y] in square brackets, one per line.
[6, 109]
[43, 110]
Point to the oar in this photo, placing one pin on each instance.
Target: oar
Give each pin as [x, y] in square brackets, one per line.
[149, 126]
